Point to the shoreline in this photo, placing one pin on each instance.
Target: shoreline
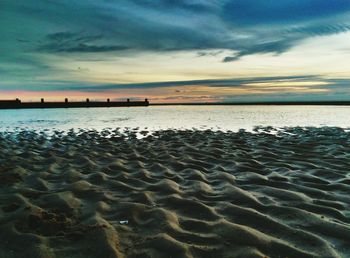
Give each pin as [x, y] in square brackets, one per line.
[187, 193]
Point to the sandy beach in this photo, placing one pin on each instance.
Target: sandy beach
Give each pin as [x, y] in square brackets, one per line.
[89, 194]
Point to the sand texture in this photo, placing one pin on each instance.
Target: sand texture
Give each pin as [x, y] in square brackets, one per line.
[175, 194]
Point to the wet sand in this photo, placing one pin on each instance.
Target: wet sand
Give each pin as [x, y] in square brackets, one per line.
[175, 194]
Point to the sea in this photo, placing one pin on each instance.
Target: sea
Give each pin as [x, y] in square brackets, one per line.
[153, 118]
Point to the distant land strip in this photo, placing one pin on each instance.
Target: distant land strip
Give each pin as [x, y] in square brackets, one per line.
[264, 103]
[18, 104]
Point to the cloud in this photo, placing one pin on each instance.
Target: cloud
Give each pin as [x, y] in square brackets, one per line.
[71, 42]
[277, 46]
[167, 25]
[284, 88]
[317, 29]
[209, 53]
[231, 58]
[224, 83]
[252, 12]
[193, 6]
[38, 30]
[281, 88]
[63, 85]
[277, 26]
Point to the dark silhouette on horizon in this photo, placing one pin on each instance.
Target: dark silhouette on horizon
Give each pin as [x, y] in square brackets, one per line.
[18, 104]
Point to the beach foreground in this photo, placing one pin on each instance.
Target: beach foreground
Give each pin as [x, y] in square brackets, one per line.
[175, 194]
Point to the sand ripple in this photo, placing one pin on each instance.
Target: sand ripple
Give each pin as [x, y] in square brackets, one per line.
[175, 194]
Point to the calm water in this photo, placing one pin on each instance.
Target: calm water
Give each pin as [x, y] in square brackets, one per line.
[177, 117]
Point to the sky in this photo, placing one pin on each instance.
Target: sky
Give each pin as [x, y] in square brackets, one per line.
[175, 50]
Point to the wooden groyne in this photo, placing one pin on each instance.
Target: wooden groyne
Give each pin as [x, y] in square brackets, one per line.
[18, 104]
